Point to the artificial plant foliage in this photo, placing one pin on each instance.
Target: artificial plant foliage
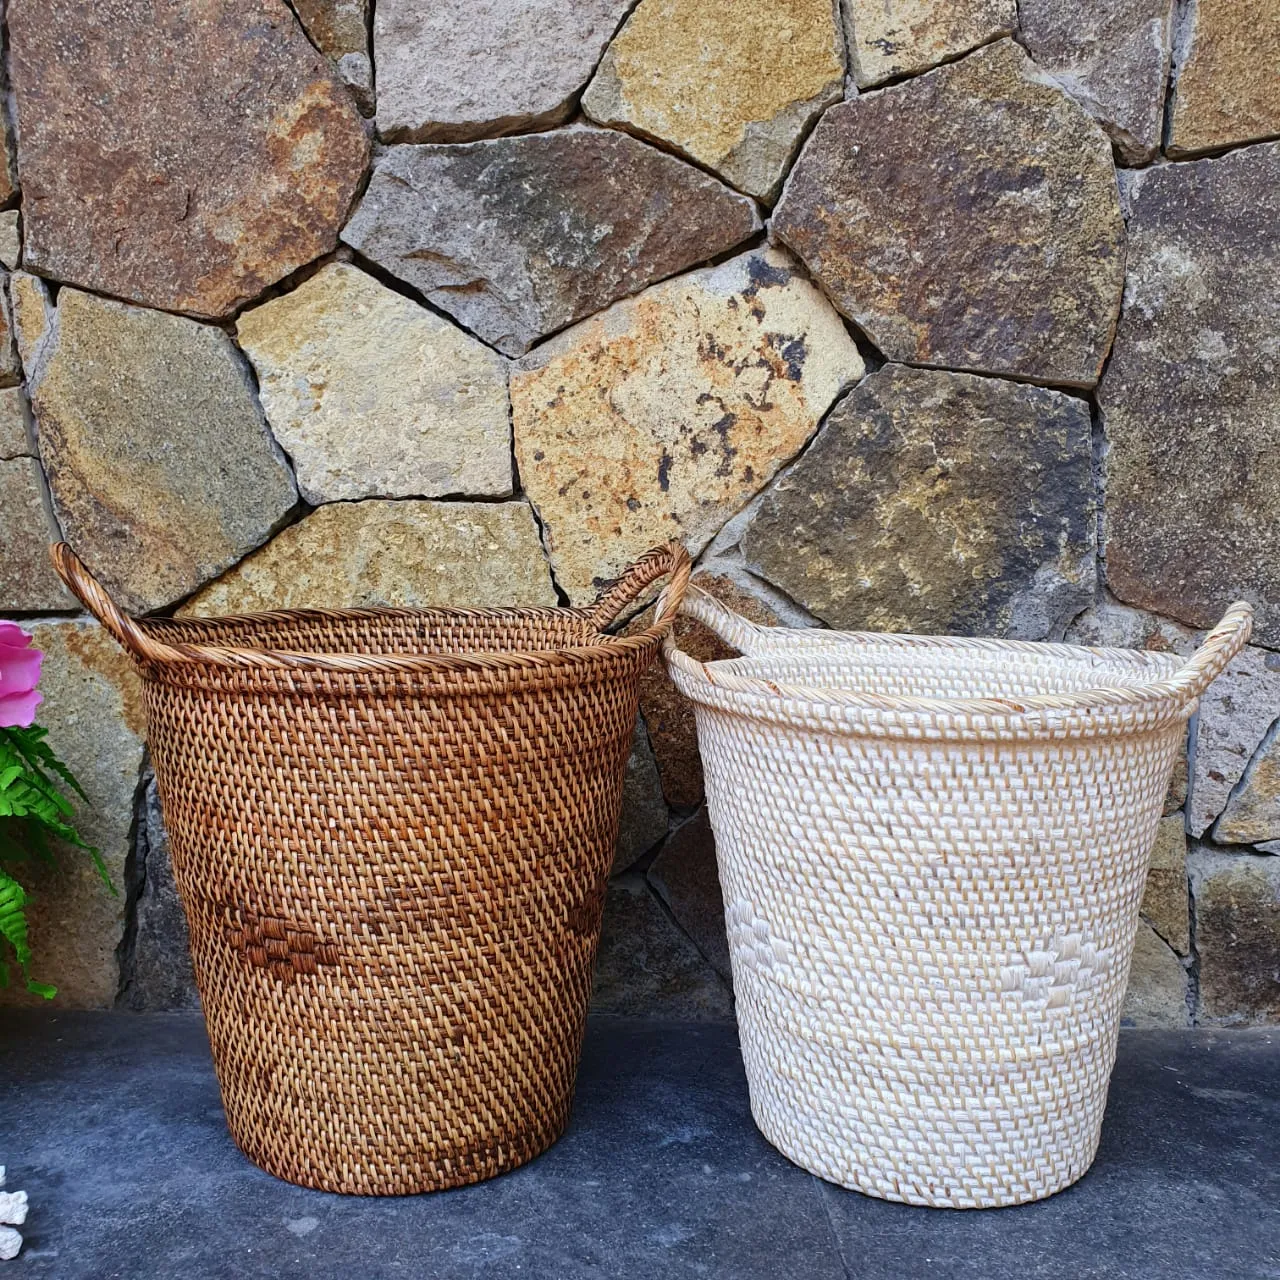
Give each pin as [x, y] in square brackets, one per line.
[33, 807]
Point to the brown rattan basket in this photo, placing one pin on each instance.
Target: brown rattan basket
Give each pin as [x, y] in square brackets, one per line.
[391, 833]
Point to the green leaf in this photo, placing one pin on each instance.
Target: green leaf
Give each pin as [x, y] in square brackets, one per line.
[13, 920]
[30, 744]
[28, 792]
[13, 929]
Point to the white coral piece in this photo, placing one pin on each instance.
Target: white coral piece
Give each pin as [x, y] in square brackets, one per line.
[13, 1208]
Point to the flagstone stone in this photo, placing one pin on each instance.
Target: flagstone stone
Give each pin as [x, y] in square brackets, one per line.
[659, 418]
[1191, 397]
[1237, 909]
[94, 713]
[1252, 812]
[889, 38]
[937, 502]
[373, 395]
[646, 967]
[339, 28]
[180, 156]
[1157, 992]
[456, 70]
[411, 554]
[28, 583]
[733, 86]
[162, 469]
[1112, 56]
[967, 218]
[518, 237]
[1227, 76]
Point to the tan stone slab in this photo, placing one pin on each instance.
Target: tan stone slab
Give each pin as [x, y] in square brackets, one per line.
[890, 38]
[14, 441]
[1164, 901]
[1252, 813]
[1227, 78]
[714, 380]
[162, 470]
[28, 583]
[372, 395]
[410, 554]
[32, 314]
[1236, 714]
[1157, 992]
[733, 85]
[10, 239]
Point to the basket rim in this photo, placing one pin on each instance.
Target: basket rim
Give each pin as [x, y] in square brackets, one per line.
[1180, 681]
[254, 657]
[723, 679]
[1104, 694]
[387, 660]
[139, 638]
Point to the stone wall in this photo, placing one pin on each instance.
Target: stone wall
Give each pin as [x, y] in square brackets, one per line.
[901, 314]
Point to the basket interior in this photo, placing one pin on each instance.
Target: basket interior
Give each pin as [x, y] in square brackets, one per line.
[953, 670]
[385, 631]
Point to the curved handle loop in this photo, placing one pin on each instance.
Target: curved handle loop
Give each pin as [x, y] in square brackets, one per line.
[1211, 658]
[672, 560]
[731, 627]
[94, 596]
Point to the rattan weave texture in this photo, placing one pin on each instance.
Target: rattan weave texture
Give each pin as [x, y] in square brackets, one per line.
[932, 853]
[391, 833]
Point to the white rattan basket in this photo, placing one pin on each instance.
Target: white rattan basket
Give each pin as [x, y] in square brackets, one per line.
[932, 852]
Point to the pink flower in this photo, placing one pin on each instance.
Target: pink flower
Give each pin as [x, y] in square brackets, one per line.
[19, 673]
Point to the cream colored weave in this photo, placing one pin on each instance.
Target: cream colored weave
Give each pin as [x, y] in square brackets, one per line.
[932, 853]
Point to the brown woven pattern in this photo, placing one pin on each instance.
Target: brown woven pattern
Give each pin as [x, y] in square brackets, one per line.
[391, 833]
[932, 853]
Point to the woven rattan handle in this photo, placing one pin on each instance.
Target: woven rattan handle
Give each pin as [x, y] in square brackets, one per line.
[94, 596]
[670, 560]
[731, 627]
[1219, 647]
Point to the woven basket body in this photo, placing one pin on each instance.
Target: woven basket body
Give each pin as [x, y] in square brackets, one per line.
[391, 834]
[932, 854]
